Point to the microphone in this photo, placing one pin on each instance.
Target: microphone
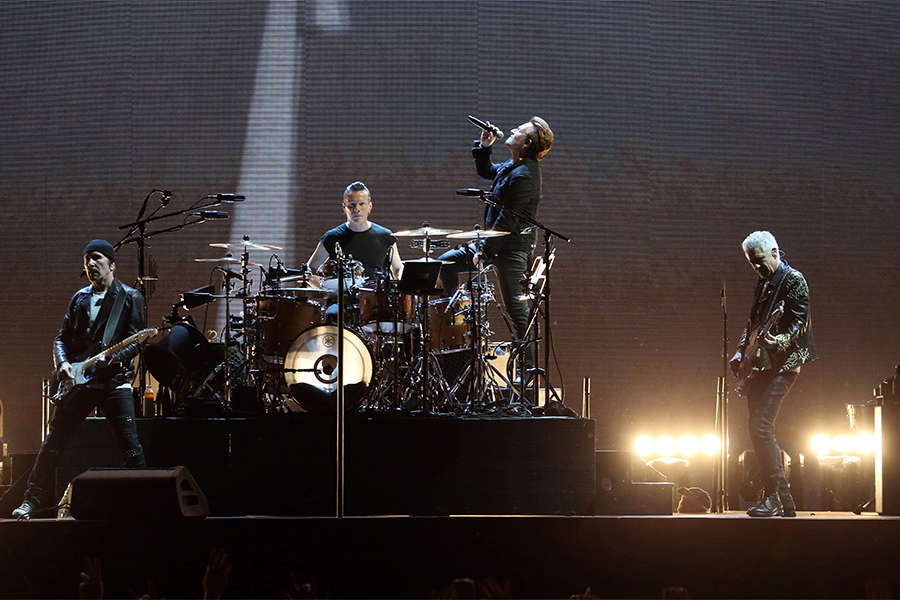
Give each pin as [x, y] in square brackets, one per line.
[338, 252]
[227, 197]
[211, 214]
[229, 273]
[484, 126]
[473, 192]
[166, 197]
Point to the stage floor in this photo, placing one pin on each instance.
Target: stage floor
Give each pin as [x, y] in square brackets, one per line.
[832, 555]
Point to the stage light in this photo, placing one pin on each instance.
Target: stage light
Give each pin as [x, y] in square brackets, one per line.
[821, 444]
[709, 445]
[864, 443]
[688, 445]
[842, 444]
[666, 445]
[643, 445]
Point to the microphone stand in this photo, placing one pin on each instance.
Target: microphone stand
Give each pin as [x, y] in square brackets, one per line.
[490, 199]
[721, 463]
[139, 226]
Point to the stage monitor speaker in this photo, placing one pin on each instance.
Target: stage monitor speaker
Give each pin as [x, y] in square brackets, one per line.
[103, 494]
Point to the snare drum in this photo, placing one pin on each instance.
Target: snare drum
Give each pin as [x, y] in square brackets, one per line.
[354, 275]
[448, 325]
[380, 309]
[284, 314]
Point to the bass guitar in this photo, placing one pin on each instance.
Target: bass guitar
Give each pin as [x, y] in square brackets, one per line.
[751, 349]
[83, 370]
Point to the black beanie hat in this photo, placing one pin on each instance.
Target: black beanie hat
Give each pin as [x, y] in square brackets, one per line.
[103, 247]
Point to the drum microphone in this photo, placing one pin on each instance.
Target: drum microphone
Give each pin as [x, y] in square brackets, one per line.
[485, 127]
[226, 197]
[211, 214]
[473, 192]
[229, 273]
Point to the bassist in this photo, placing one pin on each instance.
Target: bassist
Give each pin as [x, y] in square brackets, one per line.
[775, 361]
[99, 316]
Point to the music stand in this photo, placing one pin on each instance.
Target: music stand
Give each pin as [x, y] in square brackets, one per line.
[419, 276]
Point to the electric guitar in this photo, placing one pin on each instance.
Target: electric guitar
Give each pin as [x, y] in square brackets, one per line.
[751, 349]
[83, 370]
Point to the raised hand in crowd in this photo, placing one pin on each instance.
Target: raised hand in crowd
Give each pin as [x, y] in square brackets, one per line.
[303, 591]
[91, 585]
[218, 570]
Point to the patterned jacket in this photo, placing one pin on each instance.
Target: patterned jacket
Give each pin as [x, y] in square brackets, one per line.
[795, 344]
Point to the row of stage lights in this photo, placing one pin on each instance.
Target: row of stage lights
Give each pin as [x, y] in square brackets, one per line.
[689, 445]
[860, 444]
[686, 445]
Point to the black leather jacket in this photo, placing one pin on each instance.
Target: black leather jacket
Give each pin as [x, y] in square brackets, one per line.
[77, 340]
[792, 331]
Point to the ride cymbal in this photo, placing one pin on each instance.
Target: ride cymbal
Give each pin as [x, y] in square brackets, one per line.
[476, 234]
[425, 231]
[244, 245]
[228, 260]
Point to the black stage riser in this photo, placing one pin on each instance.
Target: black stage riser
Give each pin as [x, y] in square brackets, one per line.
[286, 465]
[544, 557]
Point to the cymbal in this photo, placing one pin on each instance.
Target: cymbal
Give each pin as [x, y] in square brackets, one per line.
[477, 234]
[425, 231]
[312, 290]
[244, 245]
[427, 260]
[296, 277]
[228, 260]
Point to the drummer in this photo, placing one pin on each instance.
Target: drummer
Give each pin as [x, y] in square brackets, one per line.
[372, 245]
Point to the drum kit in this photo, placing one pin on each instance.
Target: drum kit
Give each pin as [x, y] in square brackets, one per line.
[279, 351]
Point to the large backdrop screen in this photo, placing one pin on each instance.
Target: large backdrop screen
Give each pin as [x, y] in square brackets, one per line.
[680, 128]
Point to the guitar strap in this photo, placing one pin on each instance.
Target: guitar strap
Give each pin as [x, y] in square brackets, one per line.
[113, 320]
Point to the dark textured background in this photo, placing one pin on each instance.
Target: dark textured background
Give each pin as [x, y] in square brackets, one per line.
[680, 127]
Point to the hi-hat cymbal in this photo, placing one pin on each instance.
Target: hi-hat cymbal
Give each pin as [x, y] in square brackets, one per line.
[476, 234]
[228, 260]
[425, 231]
[301, 276]
[244, 245]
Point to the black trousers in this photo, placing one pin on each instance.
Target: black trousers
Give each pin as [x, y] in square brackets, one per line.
[118, 407]
[765, 393]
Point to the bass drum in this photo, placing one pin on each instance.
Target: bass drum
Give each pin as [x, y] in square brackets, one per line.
[183, 353]
[311, 367]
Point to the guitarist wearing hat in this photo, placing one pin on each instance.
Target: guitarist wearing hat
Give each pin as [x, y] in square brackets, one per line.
[775, 343]
[106, 315]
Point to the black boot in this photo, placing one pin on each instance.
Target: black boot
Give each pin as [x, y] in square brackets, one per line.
[769, 506]
[787, 503]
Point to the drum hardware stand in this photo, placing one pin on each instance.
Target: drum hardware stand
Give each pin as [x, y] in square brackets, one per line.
[426, 378]
[474, 375]
[490, 199]
[229, 340]
[388, 393]
[534, 288]
[137, 232]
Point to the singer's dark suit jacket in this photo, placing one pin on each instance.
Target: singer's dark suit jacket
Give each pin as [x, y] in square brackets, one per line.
[517, 187]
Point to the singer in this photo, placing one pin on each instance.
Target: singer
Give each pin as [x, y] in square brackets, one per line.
[517, 187]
